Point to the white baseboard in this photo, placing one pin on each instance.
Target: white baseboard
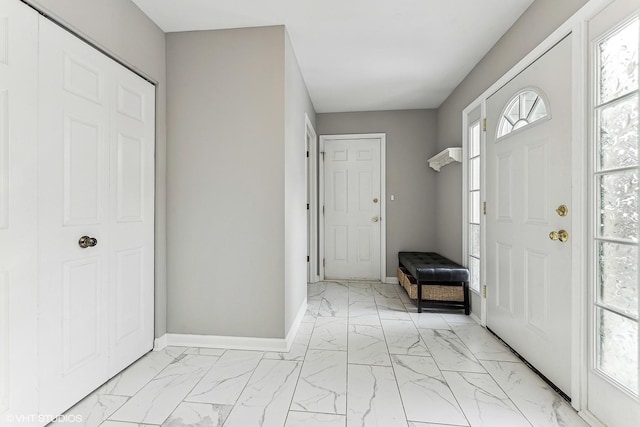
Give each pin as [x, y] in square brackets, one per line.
[475, 318]
[238, 343]
[391, 280]
[160, 343]
[590, 418]
[291, 335]
[235, 343]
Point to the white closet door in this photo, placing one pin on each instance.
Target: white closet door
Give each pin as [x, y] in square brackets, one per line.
[18, 210]
[73, 185]
[131, 225]
[96, 182]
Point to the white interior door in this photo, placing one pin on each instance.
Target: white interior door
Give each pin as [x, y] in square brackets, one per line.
[18, 210]
[95, 180]
[613, 372]
[528, 173]
[73, 183]
[131, 218]
[352, 208]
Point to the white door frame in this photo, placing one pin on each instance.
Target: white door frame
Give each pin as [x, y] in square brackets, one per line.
[383, 197]
[577, 25]
[312, 198]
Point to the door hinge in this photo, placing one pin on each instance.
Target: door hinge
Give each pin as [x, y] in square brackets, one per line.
[484, 124]
[484, 291]
[308, 258]
[484, 208]
[307, 154]
[322, 209]
[322, 152]
[323, 262]
[307, 206]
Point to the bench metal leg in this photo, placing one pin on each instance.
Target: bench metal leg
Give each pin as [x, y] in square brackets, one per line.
[466, 297]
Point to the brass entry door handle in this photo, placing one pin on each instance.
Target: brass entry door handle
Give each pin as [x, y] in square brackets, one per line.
[562, 235]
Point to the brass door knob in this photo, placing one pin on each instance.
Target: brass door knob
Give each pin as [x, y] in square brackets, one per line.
[375, 219]
[562, 235]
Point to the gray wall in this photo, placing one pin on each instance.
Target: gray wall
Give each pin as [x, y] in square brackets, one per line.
[225, 179]
[535, 24]
[121, 29]
[411, 140]
[236, 106]
[297, 103]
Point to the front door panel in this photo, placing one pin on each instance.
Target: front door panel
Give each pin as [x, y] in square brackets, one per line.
[528, 177]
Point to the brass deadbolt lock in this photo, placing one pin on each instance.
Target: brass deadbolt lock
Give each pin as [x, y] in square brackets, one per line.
[562, 210]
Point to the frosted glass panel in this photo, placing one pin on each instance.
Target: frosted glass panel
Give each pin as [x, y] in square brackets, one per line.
[474, 206]
[474, 174]
[513, 112]
[527, 103]
[474, 271]
[618, 276]
[474, 140]
[505, 127]
[539, 111]
[617, 348]
[619, 63]
[474, 240]
[618, 136]
[618, 205]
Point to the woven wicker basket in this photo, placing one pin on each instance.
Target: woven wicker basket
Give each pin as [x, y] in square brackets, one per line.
[429, 292]
[402, 272]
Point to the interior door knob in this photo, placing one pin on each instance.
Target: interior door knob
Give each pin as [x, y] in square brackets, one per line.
[87, 242]
[375, 219]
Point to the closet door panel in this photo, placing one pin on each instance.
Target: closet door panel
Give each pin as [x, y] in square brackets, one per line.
[18, 211]
[74, 121]
[132, 213]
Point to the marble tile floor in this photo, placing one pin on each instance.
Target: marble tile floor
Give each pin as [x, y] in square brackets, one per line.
[362, 357]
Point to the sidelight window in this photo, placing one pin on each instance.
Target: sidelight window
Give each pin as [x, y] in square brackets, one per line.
[473, 219]
[615, 208]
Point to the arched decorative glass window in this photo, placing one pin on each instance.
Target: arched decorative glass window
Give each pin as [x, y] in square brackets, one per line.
[523, 109]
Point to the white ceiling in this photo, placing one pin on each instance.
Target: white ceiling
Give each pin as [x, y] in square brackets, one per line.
[363, 55]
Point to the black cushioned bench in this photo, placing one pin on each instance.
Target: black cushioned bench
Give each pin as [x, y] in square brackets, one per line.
[430, 268]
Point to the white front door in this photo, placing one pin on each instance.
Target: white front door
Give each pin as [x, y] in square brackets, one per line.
[528, 150]
[613, 371]
[352, 207]
[96, 124]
